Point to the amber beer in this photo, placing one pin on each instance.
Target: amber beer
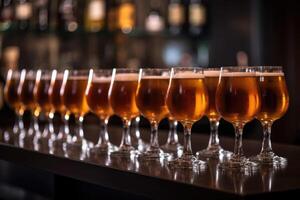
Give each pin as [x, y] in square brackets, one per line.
[211, 83]
[54, 93]
[122, 95]
[274, 96]
[97, 97]
[41, 93]
[73, 95]
[187, 98]
[11, 90]
[26, 91]
[238, 97]
[150, 97]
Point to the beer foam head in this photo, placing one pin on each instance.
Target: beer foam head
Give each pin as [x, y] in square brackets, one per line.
[188, 75]
[212, 73]
[156, 77]
[269, 73]
[238, 74]
[102, 79]
[127, 77]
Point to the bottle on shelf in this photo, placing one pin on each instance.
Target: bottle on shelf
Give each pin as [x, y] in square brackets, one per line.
[6, 14]
[95, 15]
[23, 14]
[197, 16]
[68, 17]
[112, 12]
[154, 21]
[41, 15]
[126, 16]
[176, 16]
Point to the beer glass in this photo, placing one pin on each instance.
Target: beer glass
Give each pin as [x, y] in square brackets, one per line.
[57, 140]
[12, 98]
[42, 101]
[97, 100]
[214, 149]
[150, 100]
[26, 95]
[187, 101]
[121, 97]
[73, 97]
[274, 104]
[238, 102]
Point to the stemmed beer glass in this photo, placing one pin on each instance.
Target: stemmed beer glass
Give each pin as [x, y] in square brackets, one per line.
[238, 101]
[121, 97]
[150, 100]
[187, 101]
[97, 100]
[274, 104]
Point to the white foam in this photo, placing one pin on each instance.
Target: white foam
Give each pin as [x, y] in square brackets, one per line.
[269, 74]
[188, 75]
[101, 79]
[157, 77]
[238, 74]
[127, 77]
[212, 73]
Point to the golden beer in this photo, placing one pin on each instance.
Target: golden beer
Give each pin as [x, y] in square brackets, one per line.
[73, 95]
[97, 97]
[26, 93]
[211, 83]
[238, 97]
[274, 96]
[187, 98]
[150, 97]
[54, 93]
[122, 95]
[11, 90]
[41, 94]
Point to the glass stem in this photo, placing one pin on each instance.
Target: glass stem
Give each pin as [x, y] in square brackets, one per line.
[47, 129]
[137, 133]
[154, 145]
[65, 126]
[103, 137]
[126, 140]
[79, 133]
[173, 136]
[238, 153]
[266, 144]
[18, 125]
[214, 135]
[51, 124]
[187, 146]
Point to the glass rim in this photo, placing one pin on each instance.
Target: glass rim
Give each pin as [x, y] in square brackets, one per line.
[251, 66]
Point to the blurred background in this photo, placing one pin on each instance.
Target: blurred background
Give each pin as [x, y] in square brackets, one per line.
[155, 33]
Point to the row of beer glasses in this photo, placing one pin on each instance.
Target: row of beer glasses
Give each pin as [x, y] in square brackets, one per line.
[237, 94]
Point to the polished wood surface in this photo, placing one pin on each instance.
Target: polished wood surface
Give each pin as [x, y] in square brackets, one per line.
[156, 180]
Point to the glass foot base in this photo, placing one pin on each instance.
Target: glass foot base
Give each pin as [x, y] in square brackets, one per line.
[26, 140]
[270, 159]
[125, 151]
[174, 148]
[213, 152]
[239, 164]
[156, 154]
[103, 148]
[41, 144]
[192, 163]
[76, 149]
[56, 146]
